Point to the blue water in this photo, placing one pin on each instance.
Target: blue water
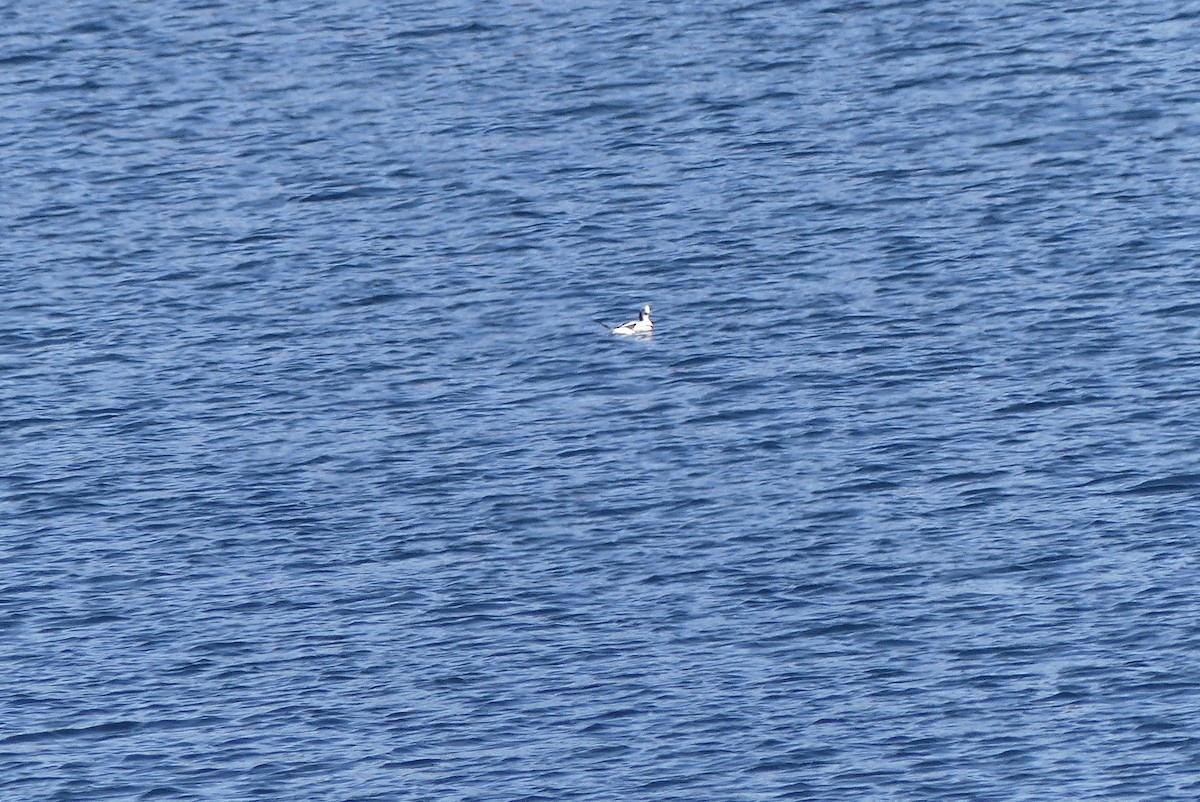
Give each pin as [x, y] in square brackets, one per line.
[318, 480]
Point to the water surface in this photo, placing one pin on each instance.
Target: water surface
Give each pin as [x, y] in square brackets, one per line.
[319, 480]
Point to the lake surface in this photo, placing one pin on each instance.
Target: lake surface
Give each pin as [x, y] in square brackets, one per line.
[319, 481]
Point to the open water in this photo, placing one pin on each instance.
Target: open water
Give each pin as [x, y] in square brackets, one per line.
[318, 480]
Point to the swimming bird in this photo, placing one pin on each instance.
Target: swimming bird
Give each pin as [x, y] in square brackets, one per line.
[643, 325]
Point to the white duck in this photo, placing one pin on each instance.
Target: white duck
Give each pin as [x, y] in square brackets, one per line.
[643, 325]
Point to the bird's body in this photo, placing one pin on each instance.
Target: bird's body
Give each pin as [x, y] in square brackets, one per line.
[643, 325]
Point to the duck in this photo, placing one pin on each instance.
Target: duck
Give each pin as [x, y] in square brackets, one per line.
[643, 325]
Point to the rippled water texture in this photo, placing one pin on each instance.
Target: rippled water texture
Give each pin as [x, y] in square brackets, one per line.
[318, 480]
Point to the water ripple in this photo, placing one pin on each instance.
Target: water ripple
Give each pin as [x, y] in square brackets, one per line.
[318, 480]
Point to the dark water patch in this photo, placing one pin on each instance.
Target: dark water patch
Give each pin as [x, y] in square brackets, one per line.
[349, 193]
[24, 59]
[439, 31]
[97, 731]
[1167, 484]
